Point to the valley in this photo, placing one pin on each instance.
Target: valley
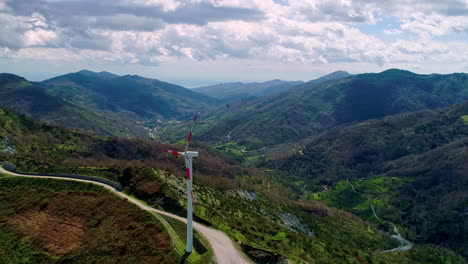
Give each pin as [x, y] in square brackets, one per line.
[367, 168]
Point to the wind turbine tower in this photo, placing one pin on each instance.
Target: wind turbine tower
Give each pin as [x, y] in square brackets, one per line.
[188, 155]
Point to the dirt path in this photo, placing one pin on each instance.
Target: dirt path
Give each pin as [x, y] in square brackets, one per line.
[224, 250]
[405, 245]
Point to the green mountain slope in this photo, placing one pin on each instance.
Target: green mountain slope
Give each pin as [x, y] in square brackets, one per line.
[104, 103]
[254, 210]
[33, 100]
[414, 166]
[310, 109]
[141, 96]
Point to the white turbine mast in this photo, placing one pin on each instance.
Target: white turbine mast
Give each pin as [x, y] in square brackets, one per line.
[188, 155]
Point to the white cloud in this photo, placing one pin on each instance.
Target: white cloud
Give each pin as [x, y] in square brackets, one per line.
[392, 31]
[167, 5]
[435, 24]
[304, 32]
[40, 37]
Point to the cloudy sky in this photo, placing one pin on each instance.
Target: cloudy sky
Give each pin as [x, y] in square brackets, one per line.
[199, 42]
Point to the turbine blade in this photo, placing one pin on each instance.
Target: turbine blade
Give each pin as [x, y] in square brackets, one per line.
[173, 152]
[189, 136]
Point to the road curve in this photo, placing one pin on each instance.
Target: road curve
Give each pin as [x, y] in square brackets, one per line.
[405, 244]
[224, 250]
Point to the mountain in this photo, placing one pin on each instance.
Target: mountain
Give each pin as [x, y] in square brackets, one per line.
[105, 103]
[102, 75]
[227, 197]
[235, 91]
[141, 96]
[33, 100]
[309, 109]
[337, 75]
[413, 165]
[228, 92]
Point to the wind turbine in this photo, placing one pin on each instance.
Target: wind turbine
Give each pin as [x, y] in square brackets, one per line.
[188, 155]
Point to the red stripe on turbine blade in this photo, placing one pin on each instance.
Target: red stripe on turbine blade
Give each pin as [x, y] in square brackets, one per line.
[166, 150]
[189, 136]
[175, 153]
[188, 173]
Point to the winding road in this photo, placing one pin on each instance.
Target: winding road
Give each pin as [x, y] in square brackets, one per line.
[405, 244]
[224, 250]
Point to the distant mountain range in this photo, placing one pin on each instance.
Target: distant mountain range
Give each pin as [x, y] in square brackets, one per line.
[313, 107]
[124, 106]
[234, 91]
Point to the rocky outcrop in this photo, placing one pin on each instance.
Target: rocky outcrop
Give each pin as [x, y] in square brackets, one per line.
[7, 146]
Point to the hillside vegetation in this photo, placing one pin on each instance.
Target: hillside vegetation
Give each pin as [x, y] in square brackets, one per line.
[22, 96]
[310, 109]
[308, 145]
[141, 96]
[417, 163]
[102, 103]
[43, 221]
[228, 197]
[40, 148]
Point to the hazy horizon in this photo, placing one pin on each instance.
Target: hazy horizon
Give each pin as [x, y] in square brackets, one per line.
[204, 42]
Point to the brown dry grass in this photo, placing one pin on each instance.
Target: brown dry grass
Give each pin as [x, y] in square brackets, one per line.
[57, 235]
[149, 188]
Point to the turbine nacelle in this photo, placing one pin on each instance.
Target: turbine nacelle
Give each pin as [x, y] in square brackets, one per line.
[188, 154]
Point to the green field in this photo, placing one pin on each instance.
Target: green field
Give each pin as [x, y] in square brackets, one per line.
[465, 119]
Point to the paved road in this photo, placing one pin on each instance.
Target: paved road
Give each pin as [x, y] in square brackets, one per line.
[223, 247]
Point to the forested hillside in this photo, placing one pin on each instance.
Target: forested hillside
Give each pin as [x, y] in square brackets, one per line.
[310, 109]
[419, 161]
[102, 103]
